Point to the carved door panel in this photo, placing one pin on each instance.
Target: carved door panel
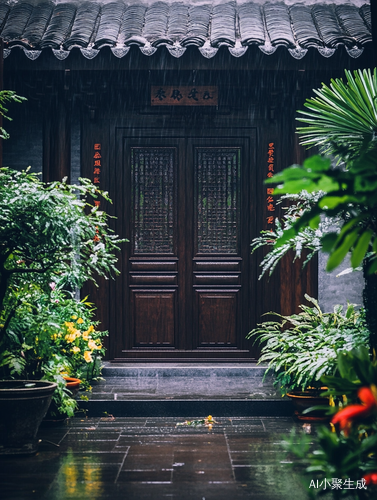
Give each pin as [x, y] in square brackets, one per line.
[188, 225]
[153, 263]
[216, 261]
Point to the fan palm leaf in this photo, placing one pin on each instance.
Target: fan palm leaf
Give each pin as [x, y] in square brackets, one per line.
[343, 113]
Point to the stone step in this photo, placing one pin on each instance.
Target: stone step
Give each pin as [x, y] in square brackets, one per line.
[185, 390]
[184, 408]
[191, 370]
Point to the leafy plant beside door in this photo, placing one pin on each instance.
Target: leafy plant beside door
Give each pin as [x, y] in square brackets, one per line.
[342, 118]
[303, 347]
[51, 239]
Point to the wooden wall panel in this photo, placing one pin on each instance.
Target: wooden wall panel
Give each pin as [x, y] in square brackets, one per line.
[153, 317]
[217, 313]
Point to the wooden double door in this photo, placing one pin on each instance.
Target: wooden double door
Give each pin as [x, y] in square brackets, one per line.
[189, 213]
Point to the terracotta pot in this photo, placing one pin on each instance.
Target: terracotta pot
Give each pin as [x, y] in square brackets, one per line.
[23, 404]
[306, 399]
[53, 415]
[73, 384]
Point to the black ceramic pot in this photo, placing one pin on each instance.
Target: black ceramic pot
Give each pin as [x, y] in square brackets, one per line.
[23, 404]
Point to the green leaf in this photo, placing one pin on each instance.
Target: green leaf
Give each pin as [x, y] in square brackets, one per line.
[365, 183]
[337, 256]
[287, 235]
[314, 222]
[361, 248]
[326, 184]
[317, 163]
[328, 241]
[331, 202]
[296, 186]
[371, 267]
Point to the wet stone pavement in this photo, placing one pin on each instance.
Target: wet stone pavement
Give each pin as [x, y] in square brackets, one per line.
[151, 458]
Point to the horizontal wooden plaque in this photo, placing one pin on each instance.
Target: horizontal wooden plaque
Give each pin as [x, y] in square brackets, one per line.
[181, 95]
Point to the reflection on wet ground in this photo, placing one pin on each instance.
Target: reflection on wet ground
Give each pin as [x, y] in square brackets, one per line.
[152, 458]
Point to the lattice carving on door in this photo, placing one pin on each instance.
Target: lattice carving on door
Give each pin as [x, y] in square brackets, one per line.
[217, 199]
[153, 206]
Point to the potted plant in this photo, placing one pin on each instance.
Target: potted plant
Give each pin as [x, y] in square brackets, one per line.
[52, 239]
[302, 347]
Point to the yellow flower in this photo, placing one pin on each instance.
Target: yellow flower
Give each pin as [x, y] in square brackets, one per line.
[68, 324]
[90, 329]
[71, 337]
[80, 321]
[88, 357]
[75, 349]
[85, 335]
[74, 317]
[92, 345]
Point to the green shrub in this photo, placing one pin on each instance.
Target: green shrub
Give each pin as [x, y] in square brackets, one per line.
[302, 347]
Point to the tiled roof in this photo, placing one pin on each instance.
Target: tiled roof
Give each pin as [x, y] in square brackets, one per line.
[37, 25]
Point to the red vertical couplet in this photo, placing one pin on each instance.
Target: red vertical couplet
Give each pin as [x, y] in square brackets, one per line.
[97, 165]
[270, 203]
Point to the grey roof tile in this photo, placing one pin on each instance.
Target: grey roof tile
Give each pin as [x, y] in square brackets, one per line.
[178, 21]
[353, 23]
[304, 28]
[16, 22]
[366, 14]
[198, 25]
[223, 25]
[278, 24]
[83, 26]
[109, 24]
[90, 25]
[131, 31]
[156, 24]
[4, 10]
[250, 16]
[329, 27]
[37, 23]
[59, 27]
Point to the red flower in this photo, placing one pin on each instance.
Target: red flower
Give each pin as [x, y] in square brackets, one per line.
[356, 412]
[370, 478]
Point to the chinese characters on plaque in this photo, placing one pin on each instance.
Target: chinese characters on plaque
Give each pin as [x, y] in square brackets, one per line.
[181, 95]
[270, 203]
[97, 165]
